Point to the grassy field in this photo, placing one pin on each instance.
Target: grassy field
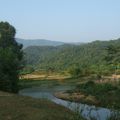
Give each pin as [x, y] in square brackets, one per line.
[47, 76]
[41, 80]
[15, 107]
[51, 80]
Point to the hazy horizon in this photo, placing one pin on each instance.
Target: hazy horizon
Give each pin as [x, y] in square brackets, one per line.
[63, 20]
[66, 41]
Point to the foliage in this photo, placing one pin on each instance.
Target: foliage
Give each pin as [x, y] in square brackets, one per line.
[85, 59]
[113, 57]
[103, 92]
[113, 54]
[75, 72]
[27, 70]
[10, 58]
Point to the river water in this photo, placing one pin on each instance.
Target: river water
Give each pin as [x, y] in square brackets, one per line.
[87, 111]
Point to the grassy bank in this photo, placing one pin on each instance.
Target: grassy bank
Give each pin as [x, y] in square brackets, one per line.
[100, 94]
[35, 80]
[15, 107]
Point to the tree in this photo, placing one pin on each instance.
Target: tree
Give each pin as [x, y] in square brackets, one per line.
[10, 58]
[113, 57]
[75, 71]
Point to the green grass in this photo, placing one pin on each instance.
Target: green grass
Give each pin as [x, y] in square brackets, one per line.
[37, 83]
[107, 94]
[28, 83]
[15, 107]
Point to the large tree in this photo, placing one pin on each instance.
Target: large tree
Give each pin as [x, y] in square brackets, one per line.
[10, 58]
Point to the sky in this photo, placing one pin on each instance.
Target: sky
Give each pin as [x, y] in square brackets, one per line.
[63, 20]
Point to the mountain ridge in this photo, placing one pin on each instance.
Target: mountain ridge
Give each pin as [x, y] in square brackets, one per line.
[38, 42]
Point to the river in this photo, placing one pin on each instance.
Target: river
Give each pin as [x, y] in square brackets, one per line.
[87, 111]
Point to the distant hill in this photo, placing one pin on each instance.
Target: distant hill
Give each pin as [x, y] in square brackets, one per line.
[77, 43]
[38, 42]
[65, 56]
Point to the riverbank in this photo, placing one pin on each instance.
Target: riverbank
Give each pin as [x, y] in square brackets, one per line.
[16, 107]
[77, 97]
[99, 94]
[72, 87]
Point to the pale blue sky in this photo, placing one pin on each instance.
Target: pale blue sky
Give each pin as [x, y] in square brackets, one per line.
[63, 20]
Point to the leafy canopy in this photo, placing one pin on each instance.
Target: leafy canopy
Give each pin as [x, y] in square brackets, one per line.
[10, 58]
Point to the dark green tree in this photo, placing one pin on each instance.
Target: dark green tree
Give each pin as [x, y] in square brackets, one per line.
[10, 58]
[75, 71]
[111, 54]
[113, 57]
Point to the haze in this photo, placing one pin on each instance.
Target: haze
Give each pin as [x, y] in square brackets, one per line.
[63, 20]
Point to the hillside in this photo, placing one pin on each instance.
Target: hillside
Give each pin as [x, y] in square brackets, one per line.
[16, 107]
[67, 56]
[38, 42]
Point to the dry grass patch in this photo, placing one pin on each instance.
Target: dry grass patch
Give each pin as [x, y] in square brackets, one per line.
[15, 107]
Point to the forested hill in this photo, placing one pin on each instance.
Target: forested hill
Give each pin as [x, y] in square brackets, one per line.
[68, 56]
